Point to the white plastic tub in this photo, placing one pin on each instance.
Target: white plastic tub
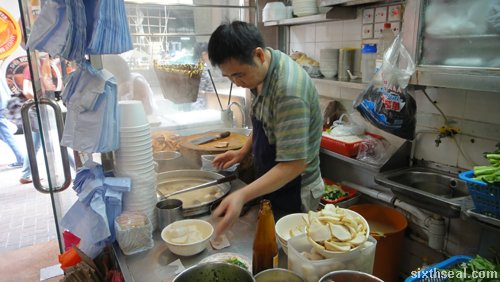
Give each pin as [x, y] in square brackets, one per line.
[360, 259]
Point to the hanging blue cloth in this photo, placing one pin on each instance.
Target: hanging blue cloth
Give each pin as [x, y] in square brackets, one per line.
[92, 217]
[77, 37]
[110, 34]
[70, 28]
[51, 28]
[92, 118]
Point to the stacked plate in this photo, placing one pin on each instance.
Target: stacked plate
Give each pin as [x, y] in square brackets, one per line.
[303, 8]
[134, 159]
[329, 62]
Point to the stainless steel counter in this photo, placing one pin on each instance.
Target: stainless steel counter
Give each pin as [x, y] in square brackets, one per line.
[152, 265]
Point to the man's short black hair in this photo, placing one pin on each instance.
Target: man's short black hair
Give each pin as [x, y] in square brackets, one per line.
[235, 40]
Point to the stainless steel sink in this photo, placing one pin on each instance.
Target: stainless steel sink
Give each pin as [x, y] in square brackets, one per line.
[440, 192]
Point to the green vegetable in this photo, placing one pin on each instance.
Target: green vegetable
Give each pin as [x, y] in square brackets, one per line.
[237, 262]
[333, 192]
[472, 270]
[489, 173]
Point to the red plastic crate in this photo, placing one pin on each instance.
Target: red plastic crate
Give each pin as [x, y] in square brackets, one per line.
[344, 148]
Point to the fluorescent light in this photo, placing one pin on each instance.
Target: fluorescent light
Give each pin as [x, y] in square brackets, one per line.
[185, 38]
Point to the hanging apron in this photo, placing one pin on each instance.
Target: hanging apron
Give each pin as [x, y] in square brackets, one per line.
[286, 199]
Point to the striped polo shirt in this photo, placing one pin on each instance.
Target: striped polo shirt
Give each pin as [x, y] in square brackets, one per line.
[289, 110]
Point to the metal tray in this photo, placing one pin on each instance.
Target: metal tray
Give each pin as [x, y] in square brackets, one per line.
[484, 218]
[194, 202]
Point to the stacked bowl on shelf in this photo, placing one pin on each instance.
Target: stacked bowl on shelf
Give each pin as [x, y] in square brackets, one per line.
[303, 8]
[134, 159]
[329, 62]
[274, 11]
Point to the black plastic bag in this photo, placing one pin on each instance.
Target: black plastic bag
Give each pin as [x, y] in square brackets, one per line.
[385, 102]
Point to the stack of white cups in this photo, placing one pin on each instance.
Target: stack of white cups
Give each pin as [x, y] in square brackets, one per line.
[134, 159]
[329, 62]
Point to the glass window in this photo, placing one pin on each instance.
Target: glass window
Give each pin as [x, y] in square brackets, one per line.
[169, 47]
[461, 33]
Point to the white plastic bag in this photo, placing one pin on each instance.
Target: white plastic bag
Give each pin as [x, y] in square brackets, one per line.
[345, 127]
[386, 102]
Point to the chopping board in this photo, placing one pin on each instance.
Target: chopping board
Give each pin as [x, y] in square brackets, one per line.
[235, 140]
[193, 152]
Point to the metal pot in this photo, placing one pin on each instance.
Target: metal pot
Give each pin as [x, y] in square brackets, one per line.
[278, 275]
[167, 160]
[194, 202]
[349, 276]
[214, 271]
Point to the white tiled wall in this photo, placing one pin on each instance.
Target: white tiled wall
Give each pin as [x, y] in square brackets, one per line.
[477, 114]
[311, 38]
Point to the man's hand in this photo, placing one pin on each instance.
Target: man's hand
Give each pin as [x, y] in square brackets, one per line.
[227, 159]
[230, 210]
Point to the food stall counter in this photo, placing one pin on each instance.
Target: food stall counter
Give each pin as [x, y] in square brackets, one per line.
[153, 264]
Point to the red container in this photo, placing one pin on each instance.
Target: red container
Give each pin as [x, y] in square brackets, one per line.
[350, 193]
[348, 149]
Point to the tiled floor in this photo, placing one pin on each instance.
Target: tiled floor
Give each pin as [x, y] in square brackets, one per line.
[28, 238]
[25, 214]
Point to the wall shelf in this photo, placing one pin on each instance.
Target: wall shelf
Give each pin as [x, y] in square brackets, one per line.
[345, 2]
[335, 14]
[354, 84]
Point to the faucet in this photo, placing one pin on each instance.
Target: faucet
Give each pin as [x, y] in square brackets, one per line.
[446, 132]
[243, 119]
[414, 144]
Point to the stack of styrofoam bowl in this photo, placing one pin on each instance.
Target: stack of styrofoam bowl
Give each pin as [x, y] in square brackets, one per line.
[274, 11]
[329, 62]
[134, 159]
[303, 8]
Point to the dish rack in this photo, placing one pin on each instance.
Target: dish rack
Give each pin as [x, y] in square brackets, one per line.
[431, 273]
[486, 197]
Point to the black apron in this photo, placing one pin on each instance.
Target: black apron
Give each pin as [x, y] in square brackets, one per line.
[286, 199]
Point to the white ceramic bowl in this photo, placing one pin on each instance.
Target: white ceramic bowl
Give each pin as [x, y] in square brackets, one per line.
[289, 222]
[174, 232]
[274, 11]
[135, 139]
[132, 114]
[134, 131]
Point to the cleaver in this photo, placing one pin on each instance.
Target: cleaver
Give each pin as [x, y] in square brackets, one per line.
[206, 139]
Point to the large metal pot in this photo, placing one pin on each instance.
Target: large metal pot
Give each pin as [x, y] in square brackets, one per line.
[193, 202]
[349, 276]
[278, 275]
[214, 271]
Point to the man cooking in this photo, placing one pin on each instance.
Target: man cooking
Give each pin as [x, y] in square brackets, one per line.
[286, 119]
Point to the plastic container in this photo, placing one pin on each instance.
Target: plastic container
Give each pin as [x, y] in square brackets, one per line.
[391, 224]
[384, 42]
[486, 197]
[134, 232]
[368, 58]
[426, 273]
[361, 259]
[345, 145]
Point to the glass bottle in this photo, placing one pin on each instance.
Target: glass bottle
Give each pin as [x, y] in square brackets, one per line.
[265, 247]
